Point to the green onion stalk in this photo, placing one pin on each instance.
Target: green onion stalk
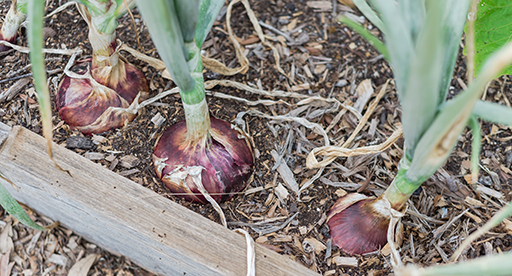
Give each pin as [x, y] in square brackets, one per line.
[96, 92]
[422, 40]
[201, 153]
[13, 19]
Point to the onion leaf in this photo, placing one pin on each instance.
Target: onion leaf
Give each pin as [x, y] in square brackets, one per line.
[13, 208]
[35, 42]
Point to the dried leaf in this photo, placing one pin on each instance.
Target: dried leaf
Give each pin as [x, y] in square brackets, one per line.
[81, 268]
[5, 266]
[6, 243]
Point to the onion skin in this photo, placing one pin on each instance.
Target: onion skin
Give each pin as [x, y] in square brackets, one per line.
[224, 154]
[12, 40]
[94, 109]
[358, 224]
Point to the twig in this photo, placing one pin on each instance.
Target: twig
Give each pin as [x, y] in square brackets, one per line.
[270, 27]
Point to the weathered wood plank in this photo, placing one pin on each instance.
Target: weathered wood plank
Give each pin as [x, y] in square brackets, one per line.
[124, 217]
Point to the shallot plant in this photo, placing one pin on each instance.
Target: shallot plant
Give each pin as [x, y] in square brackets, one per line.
[422, 40]
[201, 155]
[95, 94]
[12, 22]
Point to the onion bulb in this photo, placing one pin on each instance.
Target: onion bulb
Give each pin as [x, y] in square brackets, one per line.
[358, 223]
[100, 104]
[223, 154]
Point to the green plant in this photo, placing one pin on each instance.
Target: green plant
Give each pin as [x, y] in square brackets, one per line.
[422, 39]
[202, 154]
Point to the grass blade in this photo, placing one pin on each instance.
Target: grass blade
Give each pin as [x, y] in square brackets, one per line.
[373, 40]
[13, 208]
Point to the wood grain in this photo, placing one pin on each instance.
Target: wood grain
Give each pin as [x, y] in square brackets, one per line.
[124, 217]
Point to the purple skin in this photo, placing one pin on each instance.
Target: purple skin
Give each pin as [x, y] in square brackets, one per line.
[227, 161]
[83, 109]
[4, 48]
[358, 229]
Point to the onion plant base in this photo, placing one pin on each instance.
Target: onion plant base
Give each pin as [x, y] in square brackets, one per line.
[224, 157]
[11, 40]
[94, 108]
[358, 223]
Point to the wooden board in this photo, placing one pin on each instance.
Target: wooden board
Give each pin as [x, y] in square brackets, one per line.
[124, 217]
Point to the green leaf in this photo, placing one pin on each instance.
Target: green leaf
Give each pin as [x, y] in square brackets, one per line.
[454, 16]
[419, 100]
[207, 14]
[493, 29]
[188, 15]
[164, 27]
[493, 112]
[13, 208]
[397, 37]
[369, 13]
[373, 40]
[438, 141]
[496, 265]
[476, 146]
[35, 42]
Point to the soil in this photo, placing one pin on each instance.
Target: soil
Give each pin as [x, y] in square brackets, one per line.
[331, 64]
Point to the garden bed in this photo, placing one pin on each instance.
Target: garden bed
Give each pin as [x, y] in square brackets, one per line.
[332, 63]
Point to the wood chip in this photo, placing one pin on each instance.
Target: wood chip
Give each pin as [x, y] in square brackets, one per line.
[98, 139]
[319, 246]
[158, 119]
[286, 173]
[250, 40]
[129, 161]
[473, 202]
[320, 6]
[79, 142]
[340, 192]
[508, 226]
[94, 155]
[58, 259]
[283, 238]
[300, 87]
[10, 93]
[475, 218]
[128, 172]
[281, 191]
[346, 261]
[489, 192]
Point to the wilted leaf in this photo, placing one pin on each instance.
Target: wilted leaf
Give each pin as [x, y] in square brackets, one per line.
[81, 267]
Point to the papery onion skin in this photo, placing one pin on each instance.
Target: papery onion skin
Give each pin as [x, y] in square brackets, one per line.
[225, 156]
[90, 109]
[359, 228]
